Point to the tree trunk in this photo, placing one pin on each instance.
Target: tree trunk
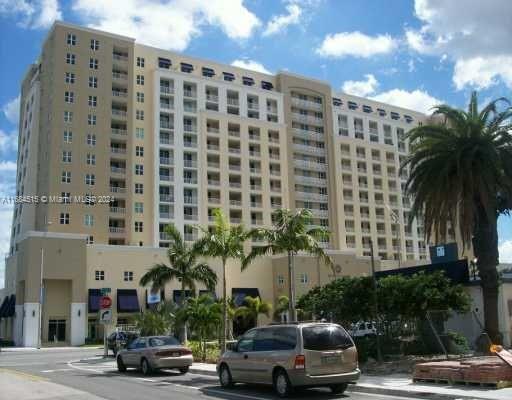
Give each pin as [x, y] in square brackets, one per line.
[224, 310]
[485, 245]
[291, 280]
[182, 301]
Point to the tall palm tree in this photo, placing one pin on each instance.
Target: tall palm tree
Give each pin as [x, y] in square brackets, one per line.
[224, 241]
[183, 267]
[291, 234]
[252, 308]
[461, 173]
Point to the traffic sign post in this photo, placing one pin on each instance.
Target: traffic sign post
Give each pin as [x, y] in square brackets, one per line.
[105, 317]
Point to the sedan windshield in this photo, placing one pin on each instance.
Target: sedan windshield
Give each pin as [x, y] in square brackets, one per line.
[163, 341]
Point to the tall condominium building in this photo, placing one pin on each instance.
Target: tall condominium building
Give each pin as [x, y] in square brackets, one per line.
[118, 140]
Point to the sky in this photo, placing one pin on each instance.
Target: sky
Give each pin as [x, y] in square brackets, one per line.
[411, 53]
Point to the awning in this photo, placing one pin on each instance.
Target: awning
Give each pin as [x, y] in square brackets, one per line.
[247, 81]
[208, 72]
[12, 306]
[127, 300]
[176, 295]
[185, 67]
[367, 109]
[164, 63]
[239, 294]
[228, 76]
[267, 85]
[3, 307]
[336, 102]
[94, 300]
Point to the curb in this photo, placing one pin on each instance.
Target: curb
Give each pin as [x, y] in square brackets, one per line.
[199, 371]
[408, 393]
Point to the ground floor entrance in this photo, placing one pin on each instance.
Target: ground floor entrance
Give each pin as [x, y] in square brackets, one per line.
[57, 330]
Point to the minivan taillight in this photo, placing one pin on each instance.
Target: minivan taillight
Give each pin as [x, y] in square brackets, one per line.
[300, 362]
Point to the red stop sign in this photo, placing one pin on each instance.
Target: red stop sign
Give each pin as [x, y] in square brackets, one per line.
[105, 302]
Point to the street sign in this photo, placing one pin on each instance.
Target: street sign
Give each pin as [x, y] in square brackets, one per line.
[105, 316]
[105, 302]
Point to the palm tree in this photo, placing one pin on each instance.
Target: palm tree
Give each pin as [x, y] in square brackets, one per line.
[283, 304]
[223, 241]
[157, 321]
[253, 307]
[291, 234]
[461, 173]
[183, 267]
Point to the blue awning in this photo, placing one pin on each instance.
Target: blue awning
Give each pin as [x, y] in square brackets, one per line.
[185, 67]
[382, 112]
[164, 63]
[93, 302]
[208, 72]
[239, 294]
[247, 81]
[12, 306]
[127, 300]
[228, 76]
[336, 102]
[266, 85]
[4, 306]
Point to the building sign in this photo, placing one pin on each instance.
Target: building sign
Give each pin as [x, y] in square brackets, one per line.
[153, 297]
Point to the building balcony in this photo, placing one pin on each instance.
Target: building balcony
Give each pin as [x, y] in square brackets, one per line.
[190, 94]
[310, 165]
[117, 189]
[213, 182]
[117, 210]
[190, 181]
[212, 164]
[306, 134]
[166, 198]
[190, 128]
[119, 114]
[190, 200]
[119, 132]
[118, 150]
[212, 98]
[120, 57]
[190, 163]
[211, 129]
[118, 170]
[166, 141]
[306, 104]
[116, 229]
[166, 90]
[311, 196]
[309, 149]
[212, 147]
[167, 178]
[190, 217]
[233, 102]
[166, 161]
[166, 215]
[311, 180]
[253, 106]
[119, 94]
[164, 236]
[120, 76]
[234, 133]
[166, 125]
[308, 119]
[214, 200]
[235, 203]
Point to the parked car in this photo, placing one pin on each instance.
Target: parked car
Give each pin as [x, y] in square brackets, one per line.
[119, 340]
[288, 356]
[362, 329]
[155, 352]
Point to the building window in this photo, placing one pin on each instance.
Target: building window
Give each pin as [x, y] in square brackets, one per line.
[70, 59]
[139, 114]
[89, 240]
[93, 101]
[139, 188]
[68, 136]
[139, 151]
[140, 80]
[71, 39]
[139, 225]
[88, 220]
[91, 140]
[69, 97]
[91, 159]
[140, 62]
[140, 97]
[280, 280]
[93, 63]
[66, 177]
[66, 156]
[91, 119]
[70, 77]
[95, 44]
[90, 179]
[139, 207]
[64, 218]
[139, 169]
[139, 133]
[304, 278]
[65, 197]
[68, 116]
[99, 275]
[93, 82]
[128, 276]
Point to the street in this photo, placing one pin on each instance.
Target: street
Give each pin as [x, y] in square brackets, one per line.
[65, 377]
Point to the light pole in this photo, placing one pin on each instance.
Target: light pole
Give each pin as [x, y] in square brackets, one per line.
[375, 304]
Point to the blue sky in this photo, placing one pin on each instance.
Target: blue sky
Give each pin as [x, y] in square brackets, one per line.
[410, 53]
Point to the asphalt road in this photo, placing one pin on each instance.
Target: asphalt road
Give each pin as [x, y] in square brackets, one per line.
[63, 367]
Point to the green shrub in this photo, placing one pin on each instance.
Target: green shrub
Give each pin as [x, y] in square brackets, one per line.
[458, 343]
[212, 351]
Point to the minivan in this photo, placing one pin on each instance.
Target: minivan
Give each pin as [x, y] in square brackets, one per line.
[294, 355]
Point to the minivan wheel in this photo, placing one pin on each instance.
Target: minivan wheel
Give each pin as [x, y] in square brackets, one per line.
[282, 384]
[183, 370]
[145, 367]
[339, 388]
[120, 365]
[226, 381]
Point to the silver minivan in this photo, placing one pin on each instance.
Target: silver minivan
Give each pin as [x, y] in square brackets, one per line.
[288, 356]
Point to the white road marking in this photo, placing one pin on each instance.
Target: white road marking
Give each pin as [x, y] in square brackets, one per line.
[47, 371]
[146, 379]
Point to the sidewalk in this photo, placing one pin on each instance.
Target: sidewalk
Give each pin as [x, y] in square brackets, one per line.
[55, 348]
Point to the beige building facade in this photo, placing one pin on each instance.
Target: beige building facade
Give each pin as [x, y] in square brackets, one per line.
[119, 139]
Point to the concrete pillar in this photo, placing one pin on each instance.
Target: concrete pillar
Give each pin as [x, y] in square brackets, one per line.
[31, 325]
[17, 334]
[78, 324]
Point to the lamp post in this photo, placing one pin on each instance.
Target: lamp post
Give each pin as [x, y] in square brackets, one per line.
[375, 304]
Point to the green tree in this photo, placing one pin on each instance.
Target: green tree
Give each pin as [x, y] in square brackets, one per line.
[224, 241]
[291, 234]
[461, 172]
[183, 266]
[156, 322]
[204, 314]
[252, 308]
[283, 305]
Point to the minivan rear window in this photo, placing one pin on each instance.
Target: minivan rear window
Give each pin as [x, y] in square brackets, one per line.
[325, 337]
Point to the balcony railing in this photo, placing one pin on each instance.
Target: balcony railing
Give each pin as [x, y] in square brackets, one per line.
[190, 163]
[118, 150]
[190, 200]
[117, 210]
[117, 189]
[118, 170]
[167, 198]
[213, 98]
[115, 229]
[166, 89]
[166, 161]
[119, 93]
[120, 76]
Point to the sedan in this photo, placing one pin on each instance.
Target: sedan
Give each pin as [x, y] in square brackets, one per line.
[151, 353]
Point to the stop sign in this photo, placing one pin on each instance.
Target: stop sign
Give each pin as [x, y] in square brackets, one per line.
[105, 302]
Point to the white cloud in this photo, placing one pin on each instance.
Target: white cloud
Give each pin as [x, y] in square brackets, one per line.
[34, 14]
[355, 44]
[361, 88]
[11, 110]
[417, 100]
[505, 251]
[8, 143]
[250, 64]
[278, 23]
[7, 166]
[169, 24]
[7, 188]
[474, 34]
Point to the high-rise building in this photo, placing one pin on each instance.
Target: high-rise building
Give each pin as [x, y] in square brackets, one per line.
[119, 139]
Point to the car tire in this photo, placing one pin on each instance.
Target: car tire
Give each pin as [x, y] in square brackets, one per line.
[145, 367]
[121, 367]
[282, 385]
[225, 378]
[183, 370]
[339, 388]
